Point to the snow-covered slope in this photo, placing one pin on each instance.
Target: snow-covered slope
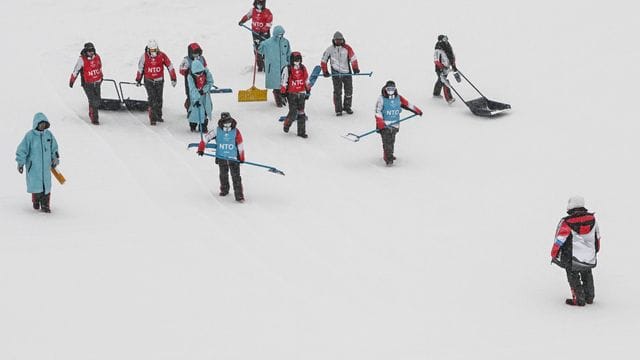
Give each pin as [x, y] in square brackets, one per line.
[444, 255]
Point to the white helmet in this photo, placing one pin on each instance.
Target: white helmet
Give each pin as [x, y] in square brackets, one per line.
[152, 44]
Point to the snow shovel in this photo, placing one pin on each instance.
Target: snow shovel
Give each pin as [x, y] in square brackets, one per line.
[355, 137]
[131, 104]
[480, 106]
[253, 93]
[58, 175]
[111, 104]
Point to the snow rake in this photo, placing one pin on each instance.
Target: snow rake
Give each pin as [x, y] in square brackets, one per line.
[355, 138]
[132, 104]
[111, 104]
[253, 93]
[480, 106]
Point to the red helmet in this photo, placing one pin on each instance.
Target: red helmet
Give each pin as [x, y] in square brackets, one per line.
[194, 49]
[295, 56]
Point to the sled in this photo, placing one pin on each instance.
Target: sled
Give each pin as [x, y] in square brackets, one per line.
[58, 175]
[253, 93]
[481, 106]
[132, 104]
[111, 104]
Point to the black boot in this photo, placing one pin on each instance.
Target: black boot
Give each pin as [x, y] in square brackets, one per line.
[45, 203]
[193, 127]
[35, 199]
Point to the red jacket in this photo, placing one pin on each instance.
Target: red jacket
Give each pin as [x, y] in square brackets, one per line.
[260, 20]
[152, 67]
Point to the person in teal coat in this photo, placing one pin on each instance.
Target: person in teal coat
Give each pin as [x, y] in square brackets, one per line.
[38, 151]
[276, 51]
[200, 82]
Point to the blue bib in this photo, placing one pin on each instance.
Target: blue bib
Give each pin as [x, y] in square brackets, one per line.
[226, 144]
[391, 109]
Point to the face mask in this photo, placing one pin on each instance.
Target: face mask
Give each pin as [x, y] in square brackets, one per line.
[226, 127]
[153, 53]
[259, 6]
[296, 63]
[390, 90]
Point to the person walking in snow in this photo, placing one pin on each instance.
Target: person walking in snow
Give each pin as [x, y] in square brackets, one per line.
[576, 245]
[38, 151]
[194, 52]
[343, 63]
[229, 154]
[388, 109]
[151, 67]
[199, 83]
[276, 52]
[261, 19]
[295, 85]
[89, 68]
[445, 61]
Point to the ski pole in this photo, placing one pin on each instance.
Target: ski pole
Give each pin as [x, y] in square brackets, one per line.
[217, 90]
[355, 138]
[270, 168]
[359, 74]
[258, 35]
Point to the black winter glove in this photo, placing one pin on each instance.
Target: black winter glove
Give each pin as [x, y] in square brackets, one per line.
[138, 83]
[197, 104]
[457, 76]
[306, 95]
[356, 71]
[200, 153]
[20, 168]
[201, 92]
[326, 74]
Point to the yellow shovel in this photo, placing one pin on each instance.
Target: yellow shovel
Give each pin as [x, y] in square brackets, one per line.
[253, 93]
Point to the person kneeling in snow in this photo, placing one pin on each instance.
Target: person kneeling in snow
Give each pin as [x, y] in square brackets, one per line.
[388, 109]
[229, 154]
[199, 82]
[39, 152]
[575, 249]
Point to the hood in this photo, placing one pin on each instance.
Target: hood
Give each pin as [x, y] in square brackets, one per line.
[278, 30]
[38, 118]
[196, 66]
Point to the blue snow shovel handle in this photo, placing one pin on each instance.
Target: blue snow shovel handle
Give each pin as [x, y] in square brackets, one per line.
[355, 138]
[259, 35]
[358, 74]
[270, 168]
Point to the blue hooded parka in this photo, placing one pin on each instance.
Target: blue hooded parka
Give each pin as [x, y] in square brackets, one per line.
[198, 114]
[36, 152]
[276, 51]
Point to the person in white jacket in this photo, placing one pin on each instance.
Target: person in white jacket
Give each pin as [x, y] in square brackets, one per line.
[343, 63]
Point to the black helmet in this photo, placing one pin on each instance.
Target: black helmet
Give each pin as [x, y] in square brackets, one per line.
[295, 56]
[88, 47]
[225, 118]
[443, 38]
[261, 2]
[390, 86]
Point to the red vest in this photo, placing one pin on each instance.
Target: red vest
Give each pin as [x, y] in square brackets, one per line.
[91, 69]
[154, 66]
[201, 80]
[297, 79]
[261, 21]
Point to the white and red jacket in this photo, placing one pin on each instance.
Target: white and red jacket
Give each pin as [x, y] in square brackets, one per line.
[343, 59]
[580, 230]
[260, 20]
[294, 79]
[185, 65]
[153, 67]
[89, 68]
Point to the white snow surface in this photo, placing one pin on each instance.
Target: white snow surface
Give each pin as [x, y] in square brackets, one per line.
[445, 255]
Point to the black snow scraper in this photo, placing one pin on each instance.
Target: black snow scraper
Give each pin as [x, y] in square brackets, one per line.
[481, 106]
[111, 104]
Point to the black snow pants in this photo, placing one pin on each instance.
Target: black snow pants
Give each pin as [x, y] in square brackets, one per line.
[581, 283]
[439, 85]
[154, 96]
[296, 112]
[257, 40]
[388, 135]
[225, 166]
[93, 95]
[338, 83]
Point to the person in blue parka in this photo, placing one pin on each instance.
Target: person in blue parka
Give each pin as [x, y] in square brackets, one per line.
[276, 51]
[38, 151]
[200, 82]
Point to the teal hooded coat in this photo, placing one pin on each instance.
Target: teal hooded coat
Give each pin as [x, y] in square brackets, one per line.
[276, 51]
[198, 114]
[36, 152]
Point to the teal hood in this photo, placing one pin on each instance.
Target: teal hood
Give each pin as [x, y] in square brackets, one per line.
[278, 31]
[38, 118]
